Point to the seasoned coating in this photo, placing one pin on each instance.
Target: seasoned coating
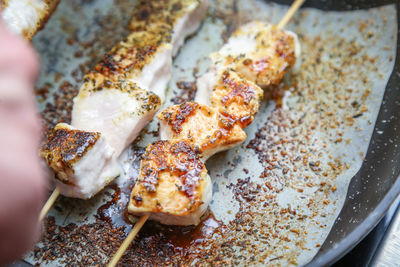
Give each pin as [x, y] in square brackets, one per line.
[182, 16]
[64, 147]
[145, 56]
[236, 98]
[259, 52]
[128, 57]
[142, 57]
[201, 126]
[71, 154]
[173, 184]
[164, 11]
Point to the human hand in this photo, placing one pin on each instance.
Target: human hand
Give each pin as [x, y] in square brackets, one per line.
[22, 178]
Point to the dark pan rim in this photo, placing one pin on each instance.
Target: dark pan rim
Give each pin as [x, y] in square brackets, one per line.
[355, 236]
[362, 230]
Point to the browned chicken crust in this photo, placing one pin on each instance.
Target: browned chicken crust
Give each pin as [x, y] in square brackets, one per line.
[151, 28]
[131, 54]
[236, 98]
[4, 3]
[273, 56]
[170, 171]
[64, 147]
[125, 60]
[202, 126]
[161, 11]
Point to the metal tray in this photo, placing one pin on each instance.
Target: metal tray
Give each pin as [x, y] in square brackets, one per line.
[96, 227]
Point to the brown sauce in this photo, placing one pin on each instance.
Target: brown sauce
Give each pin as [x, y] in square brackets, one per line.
[182, 237]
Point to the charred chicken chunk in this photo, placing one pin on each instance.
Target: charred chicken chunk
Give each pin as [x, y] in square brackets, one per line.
[71, 154]
[201, 126]
[259, 52]
[232, 96]
[173, 185]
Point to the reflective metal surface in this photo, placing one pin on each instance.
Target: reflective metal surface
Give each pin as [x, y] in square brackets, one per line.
[388, 253]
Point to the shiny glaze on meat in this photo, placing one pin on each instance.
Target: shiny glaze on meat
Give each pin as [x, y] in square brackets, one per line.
[202, 126]
[236, 98]
[173, 181]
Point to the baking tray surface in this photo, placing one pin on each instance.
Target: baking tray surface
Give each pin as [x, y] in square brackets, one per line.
[275, 197]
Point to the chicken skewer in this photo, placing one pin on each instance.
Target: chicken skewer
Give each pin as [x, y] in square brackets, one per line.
[24, 17]
[226, 104]
[118, 98]
[195, 131]
[236, 101]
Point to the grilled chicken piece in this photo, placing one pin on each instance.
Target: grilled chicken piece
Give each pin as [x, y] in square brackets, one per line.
[122, 94]
[203, 127]
[259, 52]
[118, 110]
[173, 184]
[185, 17]
[144, 58]
[71, 154]
[232, 96]
[26, 17]
[256, 55]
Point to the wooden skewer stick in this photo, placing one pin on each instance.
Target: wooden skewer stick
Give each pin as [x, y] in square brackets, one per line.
[128, 240]
[293, 8]
[49, 204]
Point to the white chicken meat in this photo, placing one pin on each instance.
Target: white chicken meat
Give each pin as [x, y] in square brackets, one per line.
[26, 17]
[69, 153]
[124, 91]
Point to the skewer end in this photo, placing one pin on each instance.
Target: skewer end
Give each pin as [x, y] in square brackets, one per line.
[128, 240]
[49, 203]
[289, 14]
